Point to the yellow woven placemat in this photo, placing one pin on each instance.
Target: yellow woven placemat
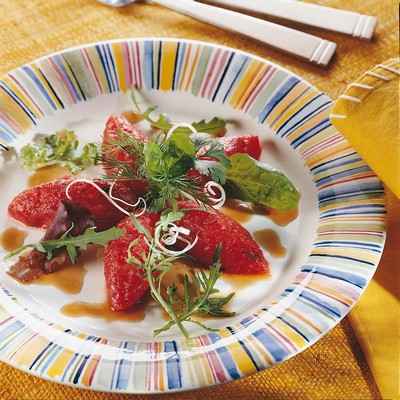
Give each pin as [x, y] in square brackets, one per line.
[335, 367]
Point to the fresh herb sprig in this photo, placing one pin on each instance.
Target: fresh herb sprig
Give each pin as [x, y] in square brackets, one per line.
[165, 160]
[211, 149]
[215, 127]
[156, 264]
[72, 244]
[121, 170]
[164, 164]
[61, 148]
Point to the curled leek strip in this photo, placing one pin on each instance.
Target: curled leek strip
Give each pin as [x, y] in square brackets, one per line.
[210, 189]
[170, 237]
[135, 205]
[111, 199]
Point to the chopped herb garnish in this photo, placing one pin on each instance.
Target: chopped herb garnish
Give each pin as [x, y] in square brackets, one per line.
[123, 170]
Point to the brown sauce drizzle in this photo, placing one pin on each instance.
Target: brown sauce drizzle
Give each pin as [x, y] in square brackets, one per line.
[69, 279]
[242, 212]
[270, 241]
[282, 218]
[103, 311]
[47, 174]
[12, 238]
[164, 315]
[132, 117]
[237, 210]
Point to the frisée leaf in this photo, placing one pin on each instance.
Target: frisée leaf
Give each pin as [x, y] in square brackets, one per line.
[60, 148]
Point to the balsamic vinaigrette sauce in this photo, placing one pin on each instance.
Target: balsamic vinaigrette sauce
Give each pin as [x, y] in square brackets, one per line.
[282, 218]
[238, 211]
[269, 240]
[242, 212]
[103, 311]
[47, 174]
[12, 238]
[238, 282]
[70, 279]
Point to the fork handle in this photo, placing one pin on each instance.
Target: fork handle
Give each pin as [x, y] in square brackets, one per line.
[333, 19]
[304, 45]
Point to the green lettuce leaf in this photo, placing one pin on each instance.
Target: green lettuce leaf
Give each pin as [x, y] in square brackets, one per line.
[183, 142]
[247, 180]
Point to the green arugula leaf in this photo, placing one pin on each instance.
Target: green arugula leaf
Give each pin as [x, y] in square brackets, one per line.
[72, 243]
[165, 167]
[212, 148]
[215, 127]
[60, 148]
[214, 306]
[219, 154]
[214, 169]
[247, 180]
[72, 252]
[203, 303]
[198, 289]
[165, 160]
[140, 228]
[161, 123]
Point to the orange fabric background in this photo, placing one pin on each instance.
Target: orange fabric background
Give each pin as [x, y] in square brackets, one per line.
[335, 367]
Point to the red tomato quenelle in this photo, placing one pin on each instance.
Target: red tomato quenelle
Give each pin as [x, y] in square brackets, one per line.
[240, 252]
[114, 125]
[126, 284]
[104, 213]
[37, 206]
[248, 144]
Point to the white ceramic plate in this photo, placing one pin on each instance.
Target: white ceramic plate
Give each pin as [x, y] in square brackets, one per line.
[333, 247]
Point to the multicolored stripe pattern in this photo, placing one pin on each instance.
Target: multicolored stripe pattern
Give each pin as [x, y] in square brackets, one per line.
[345, 253]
